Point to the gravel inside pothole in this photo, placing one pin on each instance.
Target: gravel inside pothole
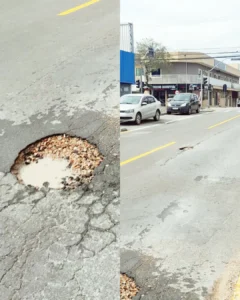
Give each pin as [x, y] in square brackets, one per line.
[64, 162]
[128, 287]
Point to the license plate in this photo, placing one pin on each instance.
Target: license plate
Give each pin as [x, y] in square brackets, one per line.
[175, 108]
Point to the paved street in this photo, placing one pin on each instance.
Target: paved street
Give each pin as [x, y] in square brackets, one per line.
[59, 75]
[180, 234]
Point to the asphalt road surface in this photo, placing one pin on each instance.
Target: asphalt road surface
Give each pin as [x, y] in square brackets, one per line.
[180, 233]
[59, 74]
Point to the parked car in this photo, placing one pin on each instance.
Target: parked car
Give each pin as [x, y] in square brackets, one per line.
[138, 107]
[184, 103]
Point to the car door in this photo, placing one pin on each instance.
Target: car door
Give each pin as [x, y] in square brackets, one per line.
[144, 108]
[197, 102]
[152, 106]
[192, 102]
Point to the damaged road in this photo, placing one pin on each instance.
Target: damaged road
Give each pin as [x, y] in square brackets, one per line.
[59, 244]
[179, 209]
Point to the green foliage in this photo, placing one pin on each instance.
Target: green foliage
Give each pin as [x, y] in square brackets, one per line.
[158, 61]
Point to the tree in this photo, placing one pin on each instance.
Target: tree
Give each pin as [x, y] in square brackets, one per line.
[152, 56]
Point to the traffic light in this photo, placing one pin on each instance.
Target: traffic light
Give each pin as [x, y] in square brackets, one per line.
[138, 84]
[150, 52]
[205, 80]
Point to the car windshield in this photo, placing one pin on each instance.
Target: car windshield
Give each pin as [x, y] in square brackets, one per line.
[181, 97]
[129, 99]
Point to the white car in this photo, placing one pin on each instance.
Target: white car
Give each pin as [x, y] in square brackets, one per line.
[138, 107]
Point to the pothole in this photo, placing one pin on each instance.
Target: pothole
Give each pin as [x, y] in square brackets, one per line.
[60, 161]
[186, 148]
[128, 287]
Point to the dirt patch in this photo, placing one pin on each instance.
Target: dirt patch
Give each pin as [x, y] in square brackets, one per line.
[63, 161]
[128, 287]
[225, 287]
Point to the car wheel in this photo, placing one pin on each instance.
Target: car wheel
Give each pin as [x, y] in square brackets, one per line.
[169, 113]
[189, 111]
[138, 119]
[197, 111]
[157, 116]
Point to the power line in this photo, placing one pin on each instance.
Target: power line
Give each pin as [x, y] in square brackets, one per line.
[210, 52]
[196, 49]
[201, 57]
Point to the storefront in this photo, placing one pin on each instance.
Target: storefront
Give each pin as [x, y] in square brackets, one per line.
[164, 91]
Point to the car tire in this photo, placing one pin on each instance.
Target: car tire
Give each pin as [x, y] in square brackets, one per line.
[189, 111]
[169, 113]
[138, 119]
[197, 111]
[157, 115]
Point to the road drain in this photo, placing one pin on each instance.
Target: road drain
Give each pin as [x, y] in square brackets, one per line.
[186, 148]
[61, 161]
[128, 287]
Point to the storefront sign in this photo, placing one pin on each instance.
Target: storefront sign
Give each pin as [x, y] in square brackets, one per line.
[163, 86]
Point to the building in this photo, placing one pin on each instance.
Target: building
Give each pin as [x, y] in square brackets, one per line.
[184, 75]
[127, 59]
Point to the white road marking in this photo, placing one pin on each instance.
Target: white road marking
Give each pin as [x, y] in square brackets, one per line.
[175, 119]
[140, 128]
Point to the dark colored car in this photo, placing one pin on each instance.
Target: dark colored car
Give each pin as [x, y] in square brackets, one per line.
[184, 103]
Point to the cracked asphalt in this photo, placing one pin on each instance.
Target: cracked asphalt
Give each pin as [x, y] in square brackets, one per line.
[60, 75]
[179, 209]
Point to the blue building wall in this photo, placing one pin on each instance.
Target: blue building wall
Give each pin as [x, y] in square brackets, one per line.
[127, 67]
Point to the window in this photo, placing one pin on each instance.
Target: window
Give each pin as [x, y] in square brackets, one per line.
[156, 72]
[139, 71]
[130, 99]
[151, 100]
[145, 99]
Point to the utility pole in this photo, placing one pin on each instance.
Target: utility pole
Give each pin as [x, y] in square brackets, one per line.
[141, 87]
[186, 73]
[200, 74]
[209, 78]
[208, 88]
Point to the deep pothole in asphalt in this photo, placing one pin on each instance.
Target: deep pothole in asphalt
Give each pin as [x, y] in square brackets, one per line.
[128, 287]
[60, 161]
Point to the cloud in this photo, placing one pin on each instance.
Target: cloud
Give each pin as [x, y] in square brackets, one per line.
[184, 25]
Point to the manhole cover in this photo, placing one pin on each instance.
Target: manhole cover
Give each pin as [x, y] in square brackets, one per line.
[62, 161]
[128, 287]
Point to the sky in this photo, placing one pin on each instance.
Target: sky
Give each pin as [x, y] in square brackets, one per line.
[206, 25]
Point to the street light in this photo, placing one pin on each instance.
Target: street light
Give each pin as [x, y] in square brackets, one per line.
[186, 72]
